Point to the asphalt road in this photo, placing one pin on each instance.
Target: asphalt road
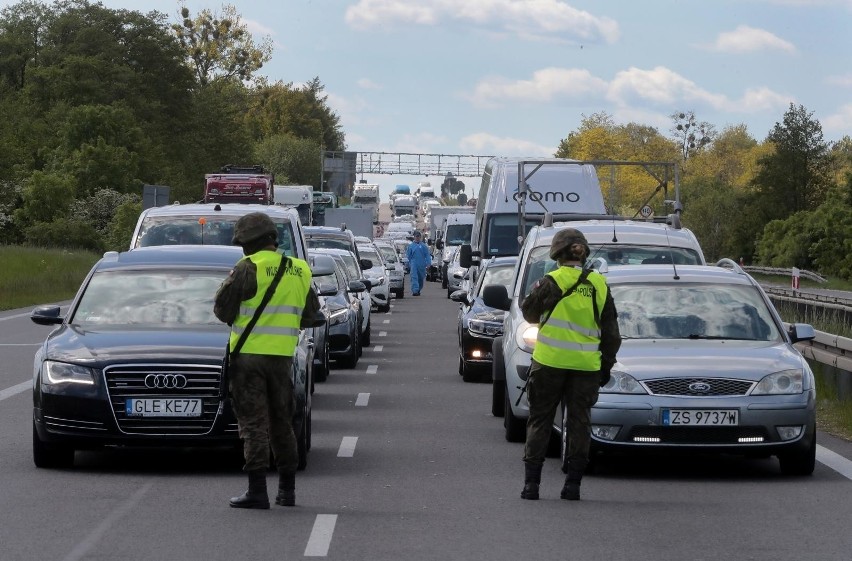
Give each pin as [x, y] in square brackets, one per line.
[407, 464]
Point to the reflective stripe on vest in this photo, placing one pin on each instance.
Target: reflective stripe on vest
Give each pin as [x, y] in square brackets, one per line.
[571, 338]
[277, 329]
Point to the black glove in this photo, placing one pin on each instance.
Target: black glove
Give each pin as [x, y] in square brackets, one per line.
[604, 377]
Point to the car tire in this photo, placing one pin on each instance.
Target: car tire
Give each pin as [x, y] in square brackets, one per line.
[461, 366]
[47, 455]
[800, 462]
[384, 309]
[302, 444]
[498, 386]
[515, 428]
[401, 294]
[470, 373]
[321, 371]
[365, 337]
[351, 360]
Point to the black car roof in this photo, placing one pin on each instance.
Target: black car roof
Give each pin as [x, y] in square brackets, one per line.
[179, 256]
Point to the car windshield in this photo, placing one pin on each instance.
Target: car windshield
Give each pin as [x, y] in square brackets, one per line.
[203, 230]
[162, 298]
[371, 255]
[388, 254]
[692, 311]
[503, 234]
[351, 266]
[625, 254]
[330, 243]
[458, 234]
[496, 274]
[540, 263]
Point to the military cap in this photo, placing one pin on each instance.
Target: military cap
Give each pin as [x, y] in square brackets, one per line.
[253, 226]
[563, 240]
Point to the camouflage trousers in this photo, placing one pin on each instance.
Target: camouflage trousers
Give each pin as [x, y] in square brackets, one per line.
[548, 388]
[263, 402]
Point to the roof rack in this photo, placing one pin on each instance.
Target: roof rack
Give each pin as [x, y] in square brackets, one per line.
[727, 262]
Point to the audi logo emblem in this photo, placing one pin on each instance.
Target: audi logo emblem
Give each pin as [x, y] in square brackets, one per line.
[165, 381]
[702, 387]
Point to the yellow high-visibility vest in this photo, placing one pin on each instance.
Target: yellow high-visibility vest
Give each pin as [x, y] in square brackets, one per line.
[571, 337]
[277, 329]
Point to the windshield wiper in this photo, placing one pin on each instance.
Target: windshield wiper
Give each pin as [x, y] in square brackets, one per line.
[717, 337]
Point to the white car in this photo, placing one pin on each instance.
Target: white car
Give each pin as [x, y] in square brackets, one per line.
[379, 276]
[397, 272]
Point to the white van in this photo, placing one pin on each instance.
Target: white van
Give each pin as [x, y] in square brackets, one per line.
[300, 197]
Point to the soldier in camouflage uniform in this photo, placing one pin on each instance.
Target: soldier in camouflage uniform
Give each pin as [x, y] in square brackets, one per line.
[574, 353]
[260, 381]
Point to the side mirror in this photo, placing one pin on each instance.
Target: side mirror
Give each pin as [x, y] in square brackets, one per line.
[357, 286]
[368, 283]
[801, 332]
[496, 296]
[366, 264]
[46, 315]
[327, 290]
[460, 296]
[465, 255]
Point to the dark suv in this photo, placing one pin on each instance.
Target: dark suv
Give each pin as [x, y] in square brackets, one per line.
[137, 361]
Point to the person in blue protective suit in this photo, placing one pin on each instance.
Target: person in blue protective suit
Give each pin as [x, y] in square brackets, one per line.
[418, 259]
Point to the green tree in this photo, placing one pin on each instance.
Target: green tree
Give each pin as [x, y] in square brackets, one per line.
[46, 197]
[294, 161]
[690, 134]
[795, 176]
[101, 208]
[220, 46]
[120, 230]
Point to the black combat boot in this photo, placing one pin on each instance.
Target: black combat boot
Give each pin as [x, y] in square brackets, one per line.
[571, 489]
[286, 489]
[532, 479]
[256, 496]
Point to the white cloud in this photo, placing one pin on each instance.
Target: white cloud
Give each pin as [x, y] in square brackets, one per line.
[367, 84]
[525, 18]
[422, 143]
[484, 143]
[745, 39]
[545, 85]
[351, 111]
[634, 89]
[840, 121]
[258, 28]
[844, 81]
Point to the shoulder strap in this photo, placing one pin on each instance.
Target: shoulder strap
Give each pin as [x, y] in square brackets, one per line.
[266, 298]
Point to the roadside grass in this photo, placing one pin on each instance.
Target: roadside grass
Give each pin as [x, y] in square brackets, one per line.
[834, 412]
[31, 275]
[781, 280]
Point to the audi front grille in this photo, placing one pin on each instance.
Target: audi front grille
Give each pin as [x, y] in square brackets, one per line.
[163, 381]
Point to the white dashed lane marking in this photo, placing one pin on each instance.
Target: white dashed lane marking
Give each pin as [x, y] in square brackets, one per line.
[385, 321]
[372, 369]
[321, 535]
[378, 348]
[362, 400]
[835, 461]
[347, 447]
[383, 333]
[16, 389]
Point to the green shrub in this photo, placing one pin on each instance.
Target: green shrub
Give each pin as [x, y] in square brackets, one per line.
[64, 233]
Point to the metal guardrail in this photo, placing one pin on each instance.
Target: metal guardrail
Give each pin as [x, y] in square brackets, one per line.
[796, 296]
[810, 275]
[829, 349]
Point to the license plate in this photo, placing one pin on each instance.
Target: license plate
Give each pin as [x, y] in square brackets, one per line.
[163, 407]
[701, 417]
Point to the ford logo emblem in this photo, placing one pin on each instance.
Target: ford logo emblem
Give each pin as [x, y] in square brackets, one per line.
[700, 387]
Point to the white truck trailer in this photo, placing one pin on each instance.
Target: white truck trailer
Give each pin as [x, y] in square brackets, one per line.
[359, 220]
[366, 195]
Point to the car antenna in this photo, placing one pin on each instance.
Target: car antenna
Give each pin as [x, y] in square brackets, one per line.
[614, 237]
[671, 253]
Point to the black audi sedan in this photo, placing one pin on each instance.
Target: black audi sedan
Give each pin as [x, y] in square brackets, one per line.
[137, 360]
[480, 324]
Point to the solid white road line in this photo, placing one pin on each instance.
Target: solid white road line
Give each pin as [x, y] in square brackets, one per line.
[363, 400]
[20, 344]
[383, 333]
[15, 390]
[321, 534]
[372, 368]
[16, 316]
[82, 549]
[378, 348]
[835, 461]
[347, 447]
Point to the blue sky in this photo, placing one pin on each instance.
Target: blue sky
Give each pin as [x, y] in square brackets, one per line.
[514, 77]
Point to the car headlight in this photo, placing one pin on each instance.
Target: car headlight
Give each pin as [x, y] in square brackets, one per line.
[526, 336]
[63, 373]
[622, 382]
[337, 317]
[780, 383]
[490, 328]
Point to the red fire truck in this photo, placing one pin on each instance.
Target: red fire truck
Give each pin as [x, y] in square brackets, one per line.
[239, 184]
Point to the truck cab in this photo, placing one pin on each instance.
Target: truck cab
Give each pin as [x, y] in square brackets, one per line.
[299, 197]
[239, 184]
